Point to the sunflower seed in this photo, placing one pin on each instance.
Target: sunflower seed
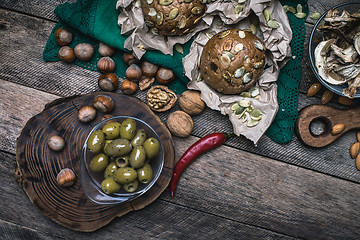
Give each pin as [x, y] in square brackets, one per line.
[267, 15]
[173, 13]
[241, 34]
[165, 2]
[152, 12]
[182, 22]
[239, 72]
[273, 23]
[258, 45]
[247, 77]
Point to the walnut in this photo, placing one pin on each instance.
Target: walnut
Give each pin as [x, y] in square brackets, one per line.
[160, 98]
[191, 103]
[180, 124]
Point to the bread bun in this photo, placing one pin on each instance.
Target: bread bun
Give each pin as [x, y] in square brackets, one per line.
[172, 17]
[232, 61]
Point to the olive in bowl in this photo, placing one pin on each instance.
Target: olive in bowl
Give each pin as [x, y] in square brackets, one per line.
[118, 162]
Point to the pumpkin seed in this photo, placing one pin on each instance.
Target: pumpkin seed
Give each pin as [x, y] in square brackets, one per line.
[199, 78]
[182, 22]
[239, 72]
[244, 103]
[286, 8]
[224, 59]
[187, 1]
[252, 123]
[273, 23]
[209, 35]
[224, 34]
[245, 94]
[173, 13]
[152, 12]
[258, 65]
[267, 15]
[258, 45]
[165, 2]
[155, 31]
[299, 8]
[235, 106]
[254, 91]
[137, 4]
[247, 77]
[238, 47]
[227, 76]
[256, 113]
[198, 19]
[291, 9]
[253, 29]
[149, 23]
[229, 54]
[210, 96]
[315, 15]
[159, 18]
[204, 1]
[196, 10]
[241, 1]
[242, 34]
[149, 1]
[239, 111]
[244, 116]
[300, 15]
[179, 48]
[228, 45]
[238, 8]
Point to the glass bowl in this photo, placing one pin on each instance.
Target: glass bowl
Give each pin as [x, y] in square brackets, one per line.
[316, 37]
[91, 181]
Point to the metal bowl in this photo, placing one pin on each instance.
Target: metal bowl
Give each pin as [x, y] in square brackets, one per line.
[316, 37]
[92, 181]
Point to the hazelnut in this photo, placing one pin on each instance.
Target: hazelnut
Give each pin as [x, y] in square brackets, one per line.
[86, 114]
[133, 73]
[105, 50]
[84, 51]
[148, 69]
[106, 65]
[66, 54]
[63, 36]
[164, 75]
[191, 103]
[66, 177]
[180, 124]
[130, 59]
[129, 87]
[56, 143]
[108, 82]
[103, 103]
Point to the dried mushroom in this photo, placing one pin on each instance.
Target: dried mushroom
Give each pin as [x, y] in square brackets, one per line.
[160, 98]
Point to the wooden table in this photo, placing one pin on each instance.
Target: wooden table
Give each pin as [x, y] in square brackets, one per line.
[274, 191]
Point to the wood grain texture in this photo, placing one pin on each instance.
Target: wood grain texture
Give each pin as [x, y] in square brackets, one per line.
[39, 165]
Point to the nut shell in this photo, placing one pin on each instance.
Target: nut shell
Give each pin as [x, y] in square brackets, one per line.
[84, 51]
[191, 103]
[66, 54]
[106, 65]
[108, 82]
[180, 124]
[63, 36]
[66, 177]
[160, 98]
[103, 103]
[232, 61]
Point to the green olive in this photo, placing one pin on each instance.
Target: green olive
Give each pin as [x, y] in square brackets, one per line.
[125, 175]
[99, 162]
[139, 138]
[122, 161]
[137, 157]
[96, 141]
[131, 187]
[110, 170]
[152, 147]
[128, 129]
[118, 148]
[111, 130]
[145, 173]
[109, 186]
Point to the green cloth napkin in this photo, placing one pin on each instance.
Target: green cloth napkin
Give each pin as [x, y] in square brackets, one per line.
[95, 21]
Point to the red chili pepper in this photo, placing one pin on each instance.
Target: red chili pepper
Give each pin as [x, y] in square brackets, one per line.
[202, 146]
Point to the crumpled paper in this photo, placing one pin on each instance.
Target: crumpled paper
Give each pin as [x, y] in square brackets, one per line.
[220, 15]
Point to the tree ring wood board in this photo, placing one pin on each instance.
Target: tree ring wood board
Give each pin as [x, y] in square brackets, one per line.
[38, 166]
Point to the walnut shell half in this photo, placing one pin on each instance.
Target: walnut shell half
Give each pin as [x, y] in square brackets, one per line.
[160, 98]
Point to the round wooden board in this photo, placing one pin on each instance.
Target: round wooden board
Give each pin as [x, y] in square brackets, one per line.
[38, 166]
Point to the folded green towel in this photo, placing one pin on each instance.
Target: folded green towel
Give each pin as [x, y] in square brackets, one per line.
[95, 21]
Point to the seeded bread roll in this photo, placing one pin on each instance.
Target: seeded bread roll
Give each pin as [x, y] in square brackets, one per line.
[172, 17]
[232, 61]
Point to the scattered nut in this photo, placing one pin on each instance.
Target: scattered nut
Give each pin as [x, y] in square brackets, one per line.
[191, 103]
[108, 82]
[107, 116]
[130, 59]
[106, 65]
[338, 128]
[180, 124]
[129, 87]
[105, 50]
[313, 89]
[63, 36]
[86, 114]
[66, 54]
[165, 76]
[146, 82]
[56, 143]
[327, 96]
[354, 149]
[148, 69]
[160, 98]
[84, 51]
[345, 101]
[133, 73]
[357, 162]
[358, 136]
[66, 177]
[103, 103]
